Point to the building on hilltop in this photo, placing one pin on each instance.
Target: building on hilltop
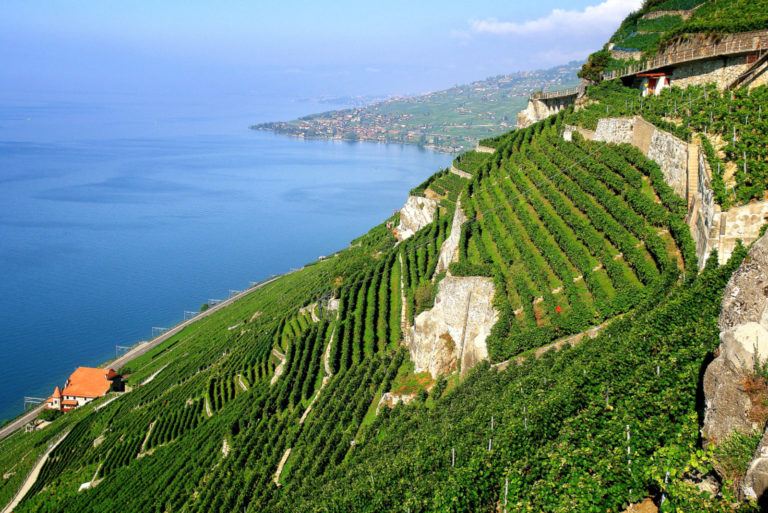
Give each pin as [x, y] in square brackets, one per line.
[82, 387]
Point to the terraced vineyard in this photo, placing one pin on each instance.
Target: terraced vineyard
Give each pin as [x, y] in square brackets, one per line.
[735, 120]
[275, 402]
[573, 234]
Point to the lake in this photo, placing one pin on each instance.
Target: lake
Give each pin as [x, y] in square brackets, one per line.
[121, 213]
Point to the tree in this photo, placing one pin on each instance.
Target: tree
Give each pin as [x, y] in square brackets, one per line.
[49, 415]
[596, 64]
[204, 307]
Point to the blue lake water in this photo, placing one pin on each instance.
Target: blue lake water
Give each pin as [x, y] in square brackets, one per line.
[120, 213]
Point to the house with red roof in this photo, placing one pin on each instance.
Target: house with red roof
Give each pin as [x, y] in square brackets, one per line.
[82, 387]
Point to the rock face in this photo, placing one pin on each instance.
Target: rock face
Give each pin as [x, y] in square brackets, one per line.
[744, 336]
[755, 481]
[449, 251]
[454, 331]
[417, 213]
[390, 400]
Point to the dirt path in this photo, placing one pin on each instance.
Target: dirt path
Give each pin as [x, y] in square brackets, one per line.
[280, 466]
[403, 304]
[279, 368]
[242, 383]
[154, 375]
[573, 340]
[146, 439]
[32, 477]
[327, 355]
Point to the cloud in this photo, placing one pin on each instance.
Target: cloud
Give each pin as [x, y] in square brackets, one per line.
[594, 18]
[373, 70]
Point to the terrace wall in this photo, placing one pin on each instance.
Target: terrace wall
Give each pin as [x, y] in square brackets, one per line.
[665, 149]
[711, 228]
[722, 70]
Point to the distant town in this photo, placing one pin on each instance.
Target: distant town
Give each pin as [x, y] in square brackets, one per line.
[449, 121]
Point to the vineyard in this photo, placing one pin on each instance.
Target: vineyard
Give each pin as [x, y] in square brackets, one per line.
[733, 120]
[572, 233]
[278, 402]
[290, 378]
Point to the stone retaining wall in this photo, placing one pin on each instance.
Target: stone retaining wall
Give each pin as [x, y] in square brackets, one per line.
[711, 228]
[721, 70]
[667, 150]
[568, 131]
[624, 55]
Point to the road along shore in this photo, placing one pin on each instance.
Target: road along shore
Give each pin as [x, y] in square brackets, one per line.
[140, 349]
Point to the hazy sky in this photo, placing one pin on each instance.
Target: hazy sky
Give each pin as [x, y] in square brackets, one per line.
[290, 47]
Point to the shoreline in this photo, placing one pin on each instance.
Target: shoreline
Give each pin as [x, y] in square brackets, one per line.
[19, 421]
[436, 149]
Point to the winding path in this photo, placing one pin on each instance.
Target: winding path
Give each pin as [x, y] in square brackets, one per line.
[32, 476]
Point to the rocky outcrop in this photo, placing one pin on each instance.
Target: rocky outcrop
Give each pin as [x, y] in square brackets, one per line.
[744, 338]
[449, 251]
[539, 109]
[417, 213]
[454, 331]
[390, 400]
[755, 482]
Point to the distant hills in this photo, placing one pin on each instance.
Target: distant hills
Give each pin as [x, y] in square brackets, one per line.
[450, 120]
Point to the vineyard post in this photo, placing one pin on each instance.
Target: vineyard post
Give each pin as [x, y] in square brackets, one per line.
[664, 495]
[629, 461]
[489, 444]
[491, 422]
[453, 456]
[734, 135]
[506, 493]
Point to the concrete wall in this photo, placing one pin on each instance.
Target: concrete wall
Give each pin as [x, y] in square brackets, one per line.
[672, 156]
[643, 134]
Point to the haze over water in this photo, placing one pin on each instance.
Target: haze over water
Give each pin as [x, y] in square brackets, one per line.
[122, 211]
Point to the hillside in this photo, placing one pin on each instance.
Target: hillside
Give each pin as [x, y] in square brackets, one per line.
[533, 331]
[450, 120]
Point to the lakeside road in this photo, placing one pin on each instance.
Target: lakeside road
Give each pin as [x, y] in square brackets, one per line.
[140, 349]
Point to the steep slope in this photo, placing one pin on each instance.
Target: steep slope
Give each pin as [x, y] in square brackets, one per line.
[271, 404]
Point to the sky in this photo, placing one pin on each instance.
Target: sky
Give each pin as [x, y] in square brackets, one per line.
[297, 48]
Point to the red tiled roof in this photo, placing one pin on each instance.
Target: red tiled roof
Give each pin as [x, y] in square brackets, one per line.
[88, 382]
[67, 402]
[56, 393]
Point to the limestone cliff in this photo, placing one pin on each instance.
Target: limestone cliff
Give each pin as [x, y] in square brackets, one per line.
[417, 213]
[449, 251]
[744, 335]
[455, 329]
